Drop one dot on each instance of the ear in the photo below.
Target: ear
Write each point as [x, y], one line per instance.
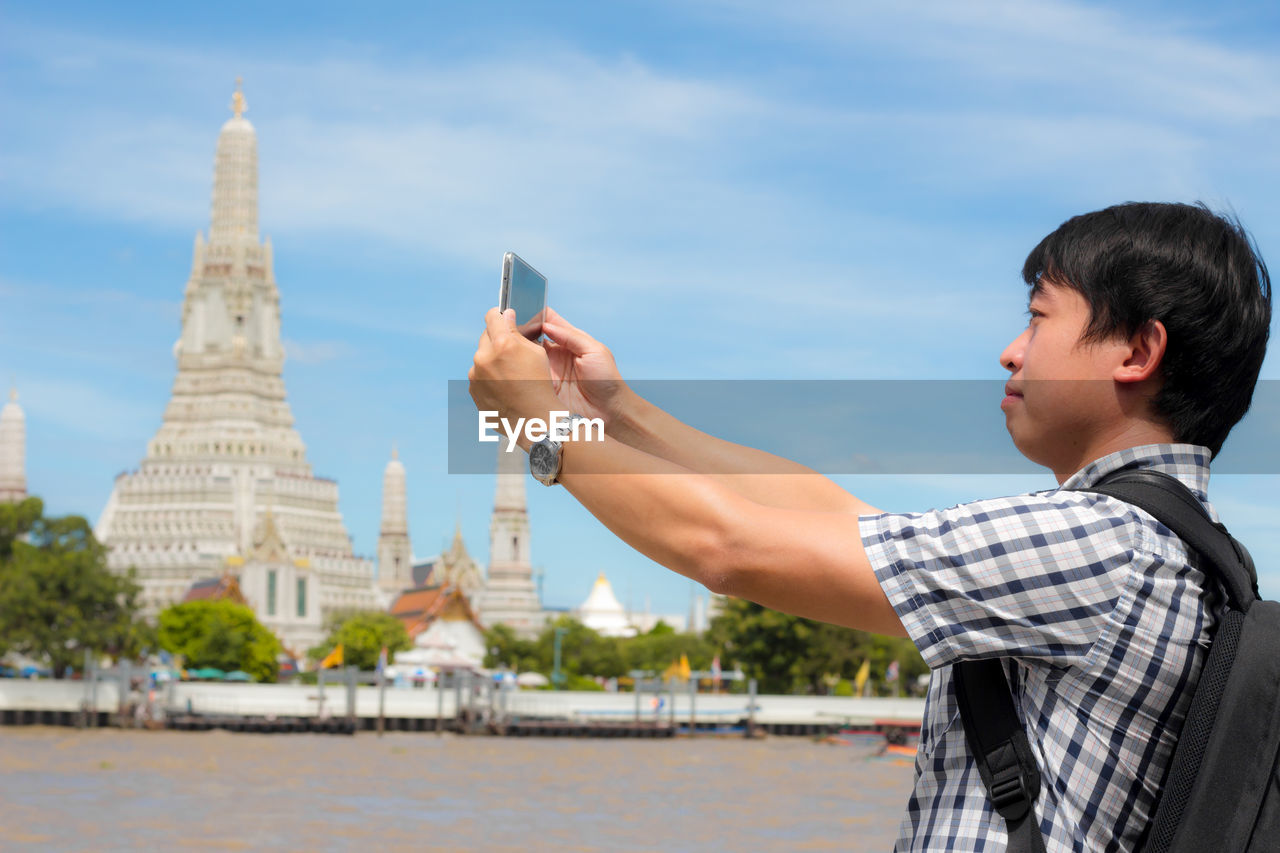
[1146, 351]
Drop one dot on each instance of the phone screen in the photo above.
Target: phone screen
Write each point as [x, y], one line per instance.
[525, 290]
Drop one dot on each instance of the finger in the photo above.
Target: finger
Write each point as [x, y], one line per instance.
[568, 335]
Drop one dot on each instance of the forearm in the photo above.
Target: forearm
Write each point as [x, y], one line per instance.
[805, 562]
[756, 475]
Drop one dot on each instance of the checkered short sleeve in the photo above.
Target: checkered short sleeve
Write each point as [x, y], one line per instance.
[1029, 576]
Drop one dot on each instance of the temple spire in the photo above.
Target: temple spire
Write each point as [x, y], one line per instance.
[235, 178]
[13, 450]
[395, 556]
[238, 104]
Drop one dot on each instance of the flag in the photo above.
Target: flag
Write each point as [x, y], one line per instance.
[685, 672]
[860, 680]
[715, 669]
[382, 660]
[334, 658]
[892, 673]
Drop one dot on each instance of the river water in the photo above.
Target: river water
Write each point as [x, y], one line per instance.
[62, 789]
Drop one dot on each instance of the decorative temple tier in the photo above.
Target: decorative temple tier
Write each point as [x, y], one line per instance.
[225, 484]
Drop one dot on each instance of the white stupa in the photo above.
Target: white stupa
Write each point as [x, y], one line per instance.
[13, 451]
[603, 613]
[227, 475]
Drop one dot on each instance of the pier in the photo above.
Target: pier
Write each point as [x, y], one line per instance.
[344, 703]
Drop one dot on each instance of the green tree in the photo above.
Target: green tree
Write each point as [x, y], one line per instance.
[363, 634]
[503, 647]
[582, 650]
[788, 654]
[662, 646]
[58, 599]
[220, 634]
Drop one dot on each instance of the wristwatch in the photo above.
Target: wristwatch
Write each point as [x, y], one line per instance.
[546, 456]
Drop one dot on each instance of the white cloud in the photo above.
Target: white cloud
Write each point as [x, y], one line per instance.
[315, 352]
[1085, 52]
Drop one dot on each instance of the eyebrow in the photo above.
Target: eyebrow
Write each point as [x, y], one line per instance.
[1037, 289]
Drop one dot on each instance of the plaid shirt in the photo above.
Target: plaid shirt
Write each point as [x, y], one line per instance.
[1099, 612]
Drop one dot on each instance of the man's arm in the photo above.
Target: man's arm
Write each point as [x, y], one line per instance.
[759, 476]
[587, 380]
[806, 562]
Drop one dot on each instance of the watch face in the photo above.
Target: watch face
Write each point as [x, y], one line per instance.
[542, 461]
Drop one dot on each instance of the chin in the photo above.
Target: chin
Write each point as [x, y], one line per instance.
[1029, 450]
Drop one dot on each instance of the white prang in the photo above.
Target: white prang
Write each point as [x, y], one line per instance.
[509, 596]
[395, 556]
[13, 451]
[227, 453]
[603, 613]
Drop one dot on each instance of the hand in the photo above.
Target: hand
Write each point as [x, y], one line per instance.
[509, 373]
[583, 372]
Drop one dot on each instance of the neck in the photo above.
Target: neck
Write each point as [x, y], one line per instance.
[1130, 433]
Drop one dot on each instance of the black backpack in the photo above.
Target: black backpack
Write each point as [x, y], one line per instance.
[1222, 792]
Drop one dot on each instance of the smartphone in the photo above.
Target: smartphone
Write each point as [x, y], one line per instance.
[524, 289]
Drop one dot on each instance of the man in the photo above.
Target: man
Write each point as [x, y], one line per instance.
[1148, 326]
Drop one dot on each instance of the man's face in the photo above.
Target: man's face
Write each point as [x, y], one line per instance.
[1061, 395]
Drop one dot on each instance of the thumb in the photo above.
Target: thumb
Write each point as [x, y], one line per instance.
[568, 335]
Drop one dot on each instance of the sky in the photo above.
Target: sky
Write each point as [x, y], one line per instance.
[716, 190]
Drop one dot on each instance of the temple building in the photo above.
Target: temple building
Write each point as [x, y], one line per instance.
[225, 484]
[453, 567]
[13, 451]
[395, 557]
[509, 596]
[603, 613]
[444, 628]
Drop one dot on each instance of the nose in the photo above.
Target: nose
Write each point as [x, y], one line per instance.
[1011, 358]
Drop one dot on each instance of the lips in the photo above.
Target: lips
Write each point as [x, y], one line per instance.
[1010, 390]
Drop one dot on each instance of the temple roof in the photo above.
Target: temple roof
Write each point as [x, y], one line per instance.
[418, 608]
[216, 589]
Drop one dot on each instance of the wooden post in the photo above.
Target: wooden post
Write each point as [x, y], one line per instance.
[351, 696]
[382, 701]
[693, 699]
[440, 701]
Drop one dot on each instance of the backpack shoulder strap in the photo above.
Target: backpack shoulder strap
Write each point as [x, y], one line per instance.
[1172, 504]
[1000, 747]
[995, 736]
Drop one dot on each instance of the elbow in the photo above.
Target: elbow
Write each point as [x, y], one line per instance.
[718, 537]
[717, 559]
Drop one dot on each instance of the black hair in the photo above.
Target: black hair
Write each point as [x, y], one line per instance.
[1196, 272]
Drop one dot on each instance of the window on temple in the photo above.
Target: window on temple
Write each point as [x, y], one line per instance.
[271, 592]
[302, 597]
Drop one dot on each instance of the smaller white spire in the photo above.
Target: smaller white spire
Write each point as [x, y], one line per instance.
[13, 450]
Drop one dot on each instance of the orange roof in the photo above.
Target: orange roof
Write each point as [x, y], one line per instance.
[417, 608]
[215, 589]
